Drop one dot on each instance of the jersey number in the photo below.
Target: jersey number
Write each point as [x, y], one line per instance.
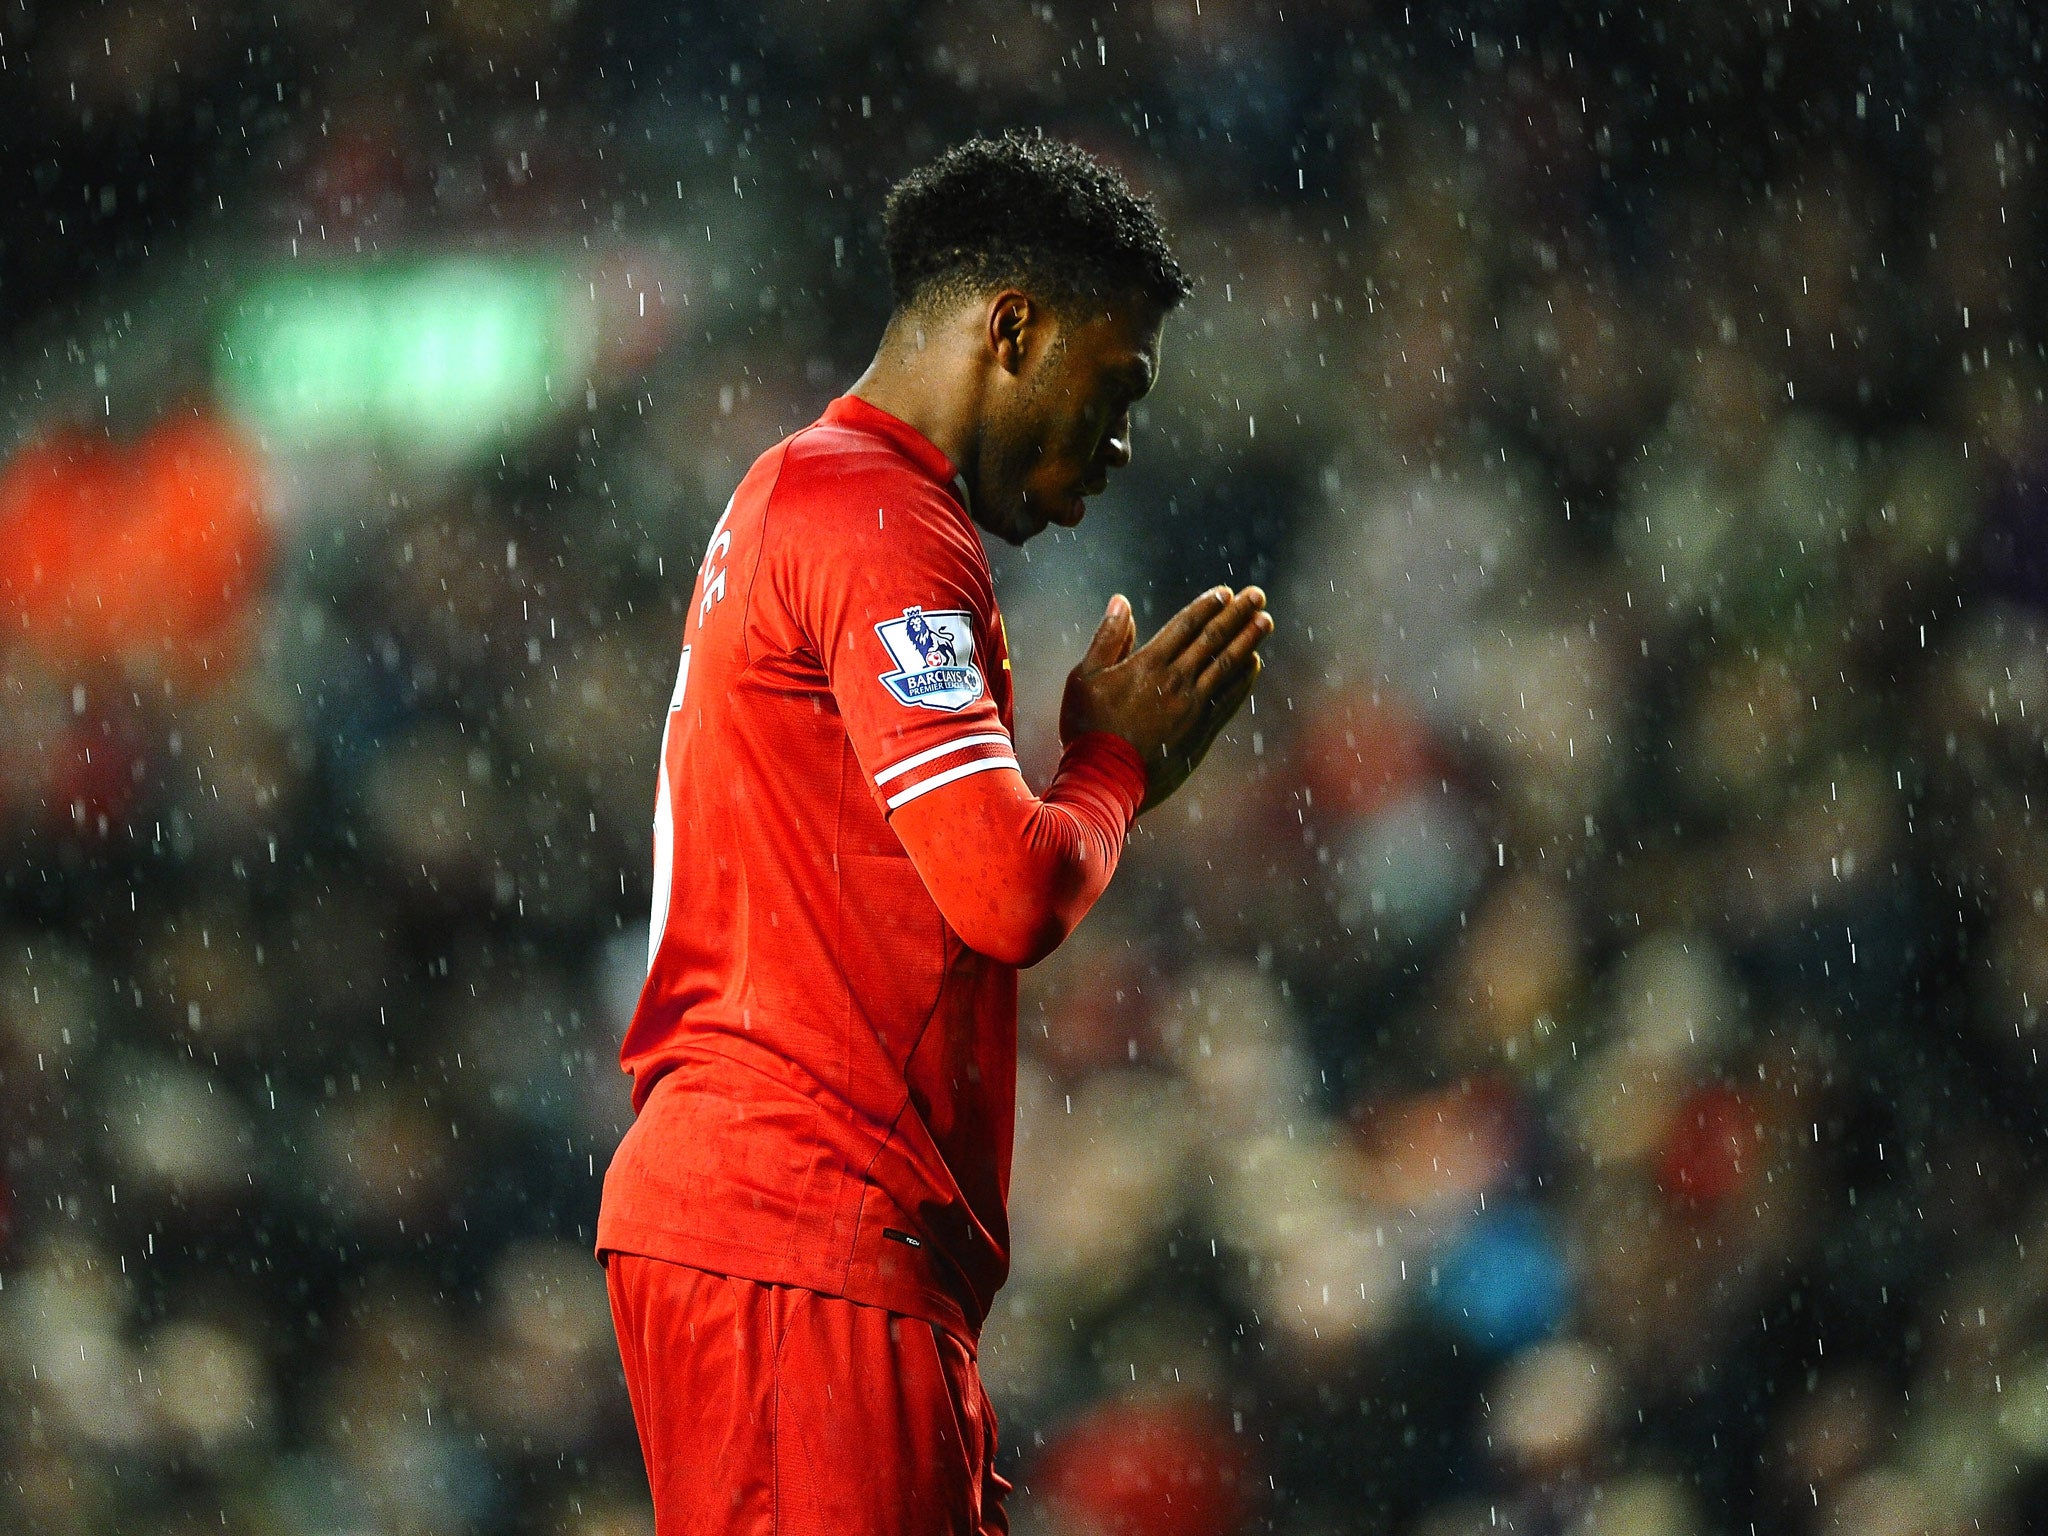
[711, 578]
[664, 819]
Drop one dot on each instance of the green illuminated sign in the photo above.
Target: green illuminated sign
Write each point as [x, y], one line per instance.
[435, 356]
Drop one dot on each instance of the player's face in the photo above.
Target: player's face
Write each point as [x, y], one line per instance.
[1071, 423]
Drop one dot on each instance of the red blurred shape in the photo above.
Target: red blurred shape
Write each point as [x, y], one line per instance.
[1440, 1148]
[93, 777]
[1365, 751]
[1702, 1162]
[360, 176]
[1148, 1469]
[1092, 1005]
[143, 556]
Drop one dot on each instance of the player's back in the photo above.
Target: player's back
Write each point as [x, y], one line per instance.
[824, 1073]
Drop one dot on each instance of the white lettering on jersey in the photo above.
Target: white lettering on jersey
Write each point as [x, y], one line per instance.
[712, 574]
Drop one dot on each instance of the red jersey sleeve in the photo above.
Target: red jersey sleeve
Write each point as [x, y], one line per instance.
[908, 633]
[1014, 873]
[903, 619]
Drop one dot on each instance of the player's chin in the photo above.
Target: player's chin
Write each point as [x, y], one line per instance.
[1041, 514]
[1068, 511]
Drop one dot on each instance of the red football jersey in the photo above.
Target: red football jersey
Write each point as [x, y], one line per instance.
[824, 1074]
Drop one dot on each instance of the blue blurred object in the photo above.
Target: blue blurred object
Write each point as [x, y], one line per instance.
[1503, 1283]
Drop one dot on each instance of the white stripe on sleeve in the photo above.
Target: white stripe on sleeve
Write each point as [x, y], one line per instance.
[957, 744]
[980, 765]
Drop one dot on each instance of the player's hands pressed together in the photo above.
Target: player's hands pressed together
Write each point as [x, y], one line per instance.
[1172, 696]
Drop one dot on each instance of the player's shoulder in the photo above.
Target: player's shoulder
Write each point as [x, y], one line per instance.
[838, 489]
[833, 462]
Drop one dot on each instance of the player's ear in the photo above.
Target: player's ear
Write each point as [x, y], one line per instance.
[1011, 316]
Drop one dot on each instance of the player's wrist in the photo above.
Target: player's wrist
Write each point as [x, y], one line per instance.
[1099, 740]
[1114, 758]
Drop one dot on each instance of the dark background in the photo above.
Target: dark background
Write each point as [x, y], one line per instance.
[1569, 1063]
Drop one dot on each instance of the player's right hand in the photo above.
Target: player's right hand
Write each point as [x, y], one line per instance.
[1171, 697]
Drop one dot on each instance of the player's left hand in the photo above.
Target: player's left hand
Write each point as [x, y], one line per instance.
[1171, 697]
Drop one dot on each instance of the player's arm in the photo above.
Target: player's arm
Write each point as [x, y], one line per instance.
[1013, 873]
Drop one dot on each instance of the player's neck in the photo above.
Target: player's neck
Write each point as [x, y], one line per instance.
[921, 381]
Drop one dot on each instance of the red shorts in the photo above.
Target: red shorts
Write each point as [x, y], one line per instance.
[766, 1410]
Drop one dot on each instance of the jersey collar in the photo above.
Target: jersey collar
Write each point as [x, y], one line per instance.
[852, 412]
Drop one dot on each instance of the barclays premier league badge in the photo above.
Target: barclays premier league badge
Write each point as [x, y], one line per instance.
[934, 656]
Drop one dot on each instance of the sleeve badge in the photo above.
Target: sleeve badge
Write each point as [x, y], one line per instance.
[934, 656]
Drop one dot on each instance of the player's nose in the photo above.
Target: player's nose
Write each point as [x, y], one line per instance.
[1116, 448]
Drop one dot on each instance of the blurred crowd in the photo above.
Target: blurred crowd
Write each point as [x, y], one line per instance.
[1567, 1064]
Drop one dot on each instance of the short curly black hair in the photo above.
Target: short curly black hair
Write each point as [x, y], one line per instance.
[1028, 210]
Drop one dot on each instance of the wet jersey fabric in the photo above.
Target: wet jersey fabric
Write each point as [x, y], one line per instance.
[823, 1073]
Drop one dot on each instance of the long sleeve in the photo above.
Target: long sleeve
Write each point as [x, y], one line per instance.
[1011, 872]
